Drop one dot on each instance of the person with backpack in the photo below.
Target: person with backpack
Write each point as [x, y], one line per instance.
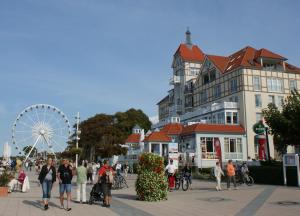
[106, 178]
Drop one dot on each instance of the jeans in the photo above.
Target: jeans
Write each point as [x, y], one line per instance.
[230, 179]
[64, 188]
[47, 187]
[188, 177]
[81, 189]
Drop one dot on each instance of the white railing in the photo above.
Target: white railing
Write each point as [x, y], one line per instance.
[224, 105]
[233, 156]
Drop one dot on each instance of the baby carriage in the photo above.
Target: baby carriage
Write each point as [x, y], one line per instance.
[96, 194]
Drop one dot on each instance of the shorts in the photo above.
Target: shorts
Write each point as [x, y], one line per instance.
[65, 188]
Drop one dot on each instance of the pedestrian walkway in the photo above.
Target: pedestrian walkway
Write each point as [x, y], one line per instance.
[203, 199]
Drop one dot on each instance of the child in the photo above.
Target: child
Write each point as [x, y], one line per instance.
[218, 173]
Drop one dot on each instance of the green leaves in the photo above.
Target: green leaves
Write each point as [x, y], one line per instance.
[151, 184]
[285, 123]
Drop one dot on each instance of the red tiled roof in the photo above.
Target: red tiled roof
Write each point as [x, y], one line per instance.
[133, 138]
[190, 54]
[247, 57]
[268, 54]
[291, 68]
[158, 136]
[219, 61]
[213, 128]
[172, 129]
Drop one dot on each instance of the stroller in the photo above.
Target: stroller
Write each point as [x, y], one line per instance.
[96, 194]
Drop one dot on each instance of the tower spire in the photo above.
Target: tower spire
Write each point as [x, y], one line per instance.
[188, 39]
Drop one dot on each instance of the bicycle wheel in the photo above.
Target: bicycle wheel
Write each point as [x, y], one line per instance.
[124, 183]
[177, 184]
[249, 181]
[185, 184]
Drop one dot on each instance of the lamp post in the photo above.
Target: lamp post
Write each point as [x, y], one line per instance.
[268, 145]
[78, 132]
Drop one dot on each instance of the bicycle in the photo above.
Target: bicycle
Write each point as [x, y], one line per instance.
[119, 182]
[244, 179]
[182, 181]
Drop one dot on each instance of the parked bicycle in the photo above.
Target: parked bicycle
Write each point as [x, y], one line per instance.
[182, 181]
[244, 179]
[119, 182]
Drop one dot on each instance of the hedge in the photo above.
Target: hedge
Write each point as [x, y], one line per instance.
[273, 175]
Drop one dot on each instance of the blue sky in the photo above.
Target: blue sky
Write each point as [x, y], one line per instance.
[98, 56]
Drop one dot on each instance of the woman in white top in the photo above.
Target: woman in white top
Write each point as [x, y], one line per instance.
[218, 173]
[171, 168]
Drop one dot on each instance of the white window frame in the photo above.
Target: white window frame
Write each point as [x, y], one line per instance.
[258, 99]
[275, 84]
[237, 154]
[256, 83]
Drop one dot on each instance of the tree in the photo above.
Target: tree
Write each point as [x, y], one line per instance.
[284, 123]
[27, 149]
[102, 134]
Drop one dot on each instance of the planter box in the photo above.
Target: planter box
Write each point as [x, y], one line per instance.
[3, 191]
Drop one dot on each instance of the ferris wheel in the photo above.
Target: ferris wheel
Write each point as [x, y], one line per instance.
[41, 128]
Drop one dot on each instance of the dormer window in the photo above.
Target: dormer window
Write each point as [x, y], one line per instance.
[208, 77]
[269, 66]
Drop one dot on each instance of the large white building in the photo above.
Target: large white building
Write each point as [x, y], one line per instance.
[225, 90]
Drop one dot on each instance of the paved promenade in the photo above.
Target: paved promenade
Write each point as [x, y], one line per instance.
[201, 200]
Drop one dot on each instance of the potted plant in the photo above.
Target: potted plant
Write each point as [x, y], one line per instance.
[4, 180]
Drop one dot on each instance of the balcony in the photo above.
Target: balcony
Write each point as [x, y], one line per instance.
[174, 80]
[188, 91]
[224, 105]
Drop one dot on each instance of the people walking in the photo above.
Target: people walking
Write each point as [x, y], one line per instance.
[126, 168]
[47, 177]
[81, 173]
[106, 179]
[171, 168]
[230, 175]
[218, 172]
[89, 173]
[118, 168]
[65, 174]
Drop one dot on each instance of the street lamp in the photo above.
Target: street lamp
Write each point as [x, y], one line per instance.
[268, 145]
[78, 132]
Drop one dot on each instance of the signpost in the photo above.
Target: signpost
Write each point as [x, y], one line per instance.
[291, 160]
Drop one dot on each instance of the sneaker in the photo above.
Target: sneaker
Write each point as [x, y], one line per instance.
[62, 207]
[107, 206]
[68, 209]
[46, 207]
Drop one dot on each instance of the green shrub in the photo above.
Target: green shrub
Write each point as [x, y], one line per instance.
[5, 179]
[151, 184]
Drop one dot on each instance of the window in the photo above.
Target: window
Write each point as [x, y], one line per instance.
[194, 71]
[271, 99]
[256, 83]
[205, 79]
[212, 75]
[207, 148]
[257, 100]
[217, 92]
[233, 85]
[234, 118]
[258, 117]
[279, 101]
[228, 117]
[220, 118]
[203, 96]
[293, 85]
[275, 84]
[231, 118]
[233, 148]
[155, 148]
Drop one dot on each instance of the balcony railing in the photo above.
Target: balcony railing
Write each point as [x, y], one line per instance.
[174, 80]
[224, 105]
[233, 155]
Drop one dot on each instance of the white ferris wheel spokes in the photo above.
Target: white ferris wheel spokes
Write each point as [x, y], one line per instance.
[42, 127]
